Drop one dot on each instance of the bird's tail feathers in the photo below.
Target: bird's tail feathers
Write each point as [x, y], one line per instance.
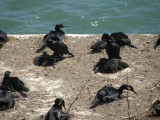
[41, 49]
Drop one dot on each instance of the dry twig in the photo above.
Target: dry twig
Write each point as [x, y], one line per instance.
[78, 95]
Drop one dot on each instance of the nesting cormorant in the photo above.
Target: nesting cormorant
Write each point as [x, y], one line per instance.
[122, 39]
[56, 113]
[6, 100]
[47, 60]
[109, 65]
[108, 94]
[13, 84]
[112, 48]
[158, 42]
[3, 38]
[98, 46]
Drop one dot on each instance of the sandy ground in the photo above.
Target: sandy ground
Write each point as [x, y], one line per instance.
[69, 75]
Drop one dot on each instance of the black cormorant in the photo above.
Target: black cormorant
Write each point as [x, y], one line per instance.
[13, 84]
[112, 48]
[108, 94]
[58, 47]
[158, 42]
[6, 100]
[109, 65]
[56, 113]
[98, 46]
[3, 38]
[122, 39]
[47, 60]
[58, 33]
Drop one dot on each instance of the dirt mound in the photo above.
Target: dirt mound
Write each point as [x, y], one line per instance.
[70, 74]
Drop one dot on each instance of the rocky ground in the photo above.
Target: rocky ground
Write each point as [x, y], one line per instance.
[70, 75]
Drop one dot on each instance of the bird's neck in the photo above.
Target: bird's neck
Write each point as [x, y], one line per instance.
[6, 76]
[120, 90]
[57, 106]
[57, 28]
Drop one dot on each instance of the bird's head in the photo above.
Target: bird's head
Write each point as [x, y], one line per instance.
[60, 102]
[106, 38]
[128, 87]
[58, 26]
[7, 73]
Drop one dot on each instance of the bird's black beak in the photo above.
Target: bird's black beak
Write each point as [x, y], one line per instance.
[63, 104]
[133, 46]
[135, 93]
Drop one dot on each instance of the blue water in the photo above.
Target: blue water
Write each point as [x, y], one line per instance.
[81, 16]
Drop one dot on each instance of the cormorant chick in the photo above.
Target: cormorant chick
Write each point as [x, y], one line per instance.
[6, 100]
[98, 46]
[109, 65]
[56, 113]
[122, 39]
[158, 42]
[3, 38]
[112, 48]
[108, 94]
[13, 84]
[47, 60]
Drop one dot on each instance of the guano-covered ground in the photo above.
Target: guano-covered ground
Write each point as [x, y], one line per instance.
[69, 76]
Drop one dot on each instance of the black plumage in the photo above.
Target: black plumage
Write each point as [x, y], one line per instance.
[155, 108]
[57, 33]
[3, 38]
[109, 65]
[47, 60]
[57, 46]
[158, 42]
[98, 46]
[108, 94]
[112, 48]
[13, 84]
[6, 100]
[122, 39]
[56, 113]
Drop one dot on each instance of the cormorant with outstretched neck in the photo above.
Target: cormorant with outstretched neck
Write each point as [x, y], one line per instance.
[13, 84]
[158, 42]
[112, 48]
[122, 39]
[108, 94]
[56, 113]
[3, 38]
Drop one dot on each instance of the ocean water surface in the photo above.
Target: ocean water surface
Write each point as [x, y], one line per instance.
[81, 16]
